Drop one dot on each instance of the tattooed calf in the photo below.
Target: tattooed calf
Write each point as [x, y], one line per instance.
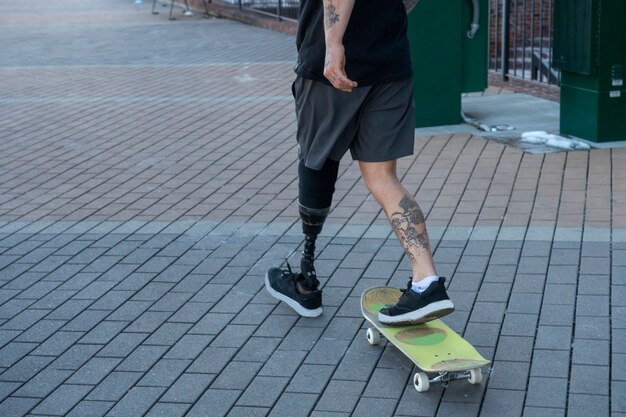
[406, 223]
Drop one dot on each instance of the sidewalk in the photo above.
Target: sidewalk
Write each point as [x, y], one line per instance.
[148, 180]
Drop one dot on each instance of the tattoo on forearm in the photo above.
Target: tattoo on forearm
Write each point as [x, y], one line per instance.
[330, 15]
[406, 224]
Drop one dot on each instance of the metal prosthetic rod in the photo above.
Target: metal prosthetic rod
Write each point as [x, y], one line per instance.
[312, 223]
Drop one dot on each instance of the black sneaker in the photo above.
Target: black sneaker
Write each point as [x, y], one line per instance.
[281, 284]
[413, 308]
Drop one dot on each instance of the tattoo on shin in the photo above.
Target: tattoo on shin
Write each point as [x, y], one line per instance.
[406, 224]
[330, 15]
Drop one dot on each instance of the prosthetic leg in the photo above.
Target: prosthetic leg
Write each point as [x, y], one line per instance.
[315, 196]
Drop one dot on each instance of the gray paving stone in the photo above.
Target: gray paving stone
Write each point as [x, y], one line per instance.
[482, 334]
[236, 375]
[136, 402]
[90, 408]
[503, 403]
[219, 401]
[618, 402]
[509, 375]
[213, 360]
[283, 363]
[543, 412]
[580, 405]
[164, 373]
[43, 383]
[26, 368]
[122, 345]
[148, 322]
[187, 388]
[85, 321]
[258, 349]
[142, 359]
[13, 352]
[69, 310]
[17, 406]
[356, 366]
[290, 404]
[327, 352]
[340, 396]
[263, 391]
[104, 332]
[389, 383]
[7, 388]
[485, 312]
[94, 371]
[114, 386]
[556, 315]
[61, 401]
[171, 302]
[558, 274]
[192, 312]
[75, 357]
[57, 343]
[592, 305]
[310, 379]
[375, 407]
[618, 367]
[549, 363]
[554, 337]
[587, 379]
[591, 352]
[233, 335]
[547, 392]
[129, 311]
[559, 294]
[594, 328]
[168, 410]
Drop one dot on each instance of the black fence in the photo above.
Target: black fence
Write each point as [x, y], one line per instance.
[520, 39]
[282, 9]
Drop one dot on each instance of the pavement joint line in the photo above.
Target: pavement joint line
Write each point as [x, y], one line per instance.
[143, 66]
[148, 100]
[331, 229]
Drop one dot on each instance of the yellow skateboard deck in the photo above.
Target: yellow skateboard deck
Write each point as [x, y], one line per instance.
[433, 346]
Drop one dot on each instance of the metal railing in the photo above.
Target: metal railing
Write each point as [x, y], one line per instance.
[520, 39]
[281, 9]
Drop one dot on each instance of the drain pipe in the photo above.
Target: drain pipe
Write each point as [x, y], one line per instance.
[475, 19]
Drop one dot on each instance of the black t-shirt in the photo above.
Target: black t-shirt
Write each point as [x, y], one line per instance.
[376, 43]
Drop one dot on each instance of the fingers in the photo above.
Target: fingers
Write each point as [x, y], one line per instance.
[340, 80]
[334, 69]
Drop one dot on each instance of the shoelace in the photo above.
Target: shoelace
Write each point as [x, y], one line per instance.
[287, 273]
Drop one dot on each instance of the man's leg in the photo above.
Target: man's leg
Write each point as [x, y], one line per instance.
[315, 195]
[301, 290]
[407, 221]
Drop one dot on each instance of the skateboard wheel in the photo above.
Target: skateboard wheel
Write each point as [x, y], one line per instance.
[421, 382]
[373, 336]
[476, 376]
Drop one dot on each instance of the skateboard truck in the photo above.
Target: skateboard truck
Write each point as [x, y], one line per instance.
[422, 382]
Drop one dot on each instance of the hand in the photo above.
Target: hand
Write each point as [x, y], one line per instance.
[334, 68]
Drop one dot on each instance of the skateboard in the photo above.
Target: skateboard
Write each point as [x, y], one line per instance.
[433, 346]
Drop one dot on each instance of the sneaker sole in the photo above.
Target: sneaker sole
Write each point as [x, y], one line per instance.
[431, 312]
[304, 312]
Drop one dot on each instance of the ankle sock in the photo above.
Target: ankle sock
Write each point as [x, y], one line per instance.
[420, 286]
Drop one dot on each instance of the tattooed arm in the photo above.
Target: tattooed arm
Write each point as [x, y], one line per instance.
[336, 16]
[409, 5]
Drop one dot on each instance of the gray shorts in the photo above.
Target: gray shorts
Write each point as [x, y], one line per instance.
[376, 123]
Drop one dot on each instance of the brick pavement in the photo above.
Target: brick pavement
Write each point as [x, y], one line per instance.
[147, 181]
